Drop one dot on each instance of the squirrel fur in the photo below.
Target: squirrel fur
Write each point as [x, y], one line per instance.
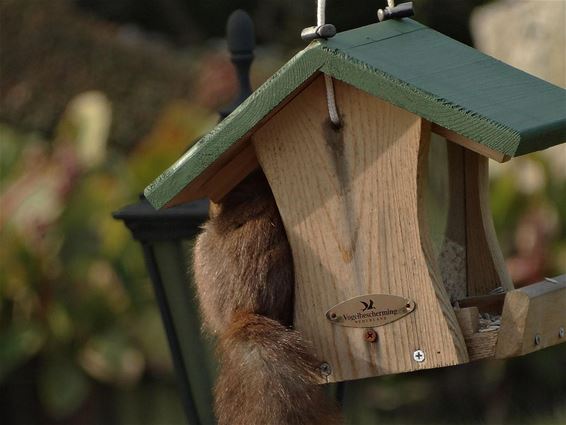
[243, 272]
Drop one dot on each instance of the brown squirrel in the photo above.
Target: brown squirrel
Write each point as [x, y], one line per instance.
[243, 272]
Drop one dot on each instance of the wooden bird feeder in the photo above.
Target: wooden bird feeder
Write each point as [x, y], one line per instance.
[371, 294]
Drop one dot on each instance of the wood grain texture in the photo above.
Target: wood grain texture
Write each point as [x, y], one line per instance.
[468, 319]
[485, 269]
[352, 205]
[538, 309]
[461, 90]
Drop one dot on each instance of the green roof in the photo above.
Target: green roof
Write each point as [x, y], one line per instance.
[413, 67]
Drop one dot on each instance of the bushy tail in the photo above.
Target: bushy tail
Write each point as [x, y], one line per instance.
[268, 377]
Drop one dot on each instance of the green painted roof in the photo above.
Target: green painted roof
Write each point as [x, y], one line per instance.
[413, 67]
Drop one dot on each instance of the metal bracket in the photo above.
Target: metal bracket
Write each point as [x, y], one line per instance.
[322, 31]
[404, 10]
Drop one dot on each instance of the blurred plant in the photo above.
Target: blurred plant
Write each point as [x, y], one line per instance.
[528, 197]
[74, 295]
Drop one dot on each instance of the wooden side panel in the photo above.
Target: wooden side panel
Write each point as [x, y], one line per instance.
[486, 268]
[471, 261]
[352, 204]
[538, 309]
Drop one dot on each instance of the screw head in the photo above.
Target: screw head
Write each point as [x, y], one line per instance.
[325, 369]
[561, 332]
[537, 339]
[370, 335]
[419, 356]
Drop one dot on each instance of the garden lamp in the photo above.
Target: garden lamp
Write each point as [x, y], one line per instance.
[166, 239]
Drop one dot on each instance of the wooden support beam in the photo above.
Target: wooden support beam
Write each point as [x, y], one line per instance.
[470, 144]
[486, 269]
[470, 258]
[492, 304]
[468, 319]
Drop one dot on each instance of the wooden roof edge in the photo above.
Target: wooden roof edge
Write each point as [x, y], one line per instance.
[546, 137]
[450, 116]
[234, 127]
[481, 134]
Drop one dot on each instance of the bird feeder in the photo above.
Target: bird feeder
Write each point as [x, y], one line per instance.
[371, 294]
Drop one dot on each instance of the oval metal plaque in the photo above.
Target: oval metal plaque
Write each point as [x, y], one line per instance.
[370, 311]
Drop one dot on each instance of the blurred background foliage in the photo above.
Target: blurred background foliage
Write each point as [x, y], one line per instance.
[97, 98]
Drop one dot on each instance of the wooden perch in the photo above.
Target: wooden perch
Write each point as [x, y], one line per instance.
[532, 318]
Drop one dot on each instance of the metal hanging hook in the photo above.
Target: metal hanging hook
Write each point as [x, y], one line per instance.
[322, 29]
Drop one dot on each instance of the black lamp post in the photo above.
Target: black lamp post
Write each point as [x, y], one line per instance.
[166, 236]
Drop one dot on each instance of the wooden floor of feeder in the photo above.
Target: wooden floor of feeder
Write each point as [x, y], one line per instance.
[527, 319]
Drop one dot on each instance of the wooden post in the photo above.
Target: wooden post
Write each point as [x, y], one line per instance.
[486, 268]
[534, 317]
[352, 205]
[470, 260]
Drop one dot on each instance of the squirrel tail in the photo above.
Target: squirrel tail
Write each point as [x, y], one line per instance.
[268, 376]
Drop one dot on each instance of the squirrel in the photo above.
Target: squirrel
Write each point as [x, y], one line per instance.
[243, 271]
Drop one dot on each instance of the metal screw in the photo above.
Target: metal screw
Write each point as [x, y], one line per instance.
[561, 333]
[325, 369]
[537, 339]
[333, 316]
[370, 335]
[419, 356]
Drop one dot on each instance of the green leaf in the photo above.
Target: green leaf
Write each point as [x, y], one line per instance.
[19, 344]
[63, 387]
